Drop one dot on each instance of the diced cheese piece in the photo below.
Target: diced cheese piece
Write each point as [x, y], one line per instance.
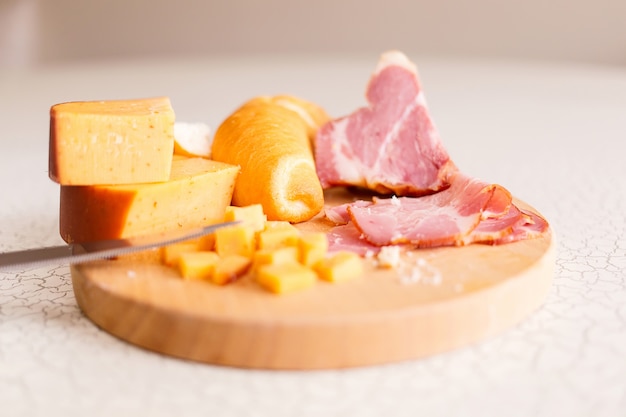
[312, 248]
[230, 268]
[111, 142]
[235, 240]
[278, 234]
[251, 216]
[197, 194]
[207, 242]
[286, 277]
[277, 224]
[288, 254]
[340, 266]
[170, 254]
[198, 265]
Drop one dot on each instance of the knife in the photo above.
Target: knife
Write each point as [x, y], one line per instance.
[98, 250]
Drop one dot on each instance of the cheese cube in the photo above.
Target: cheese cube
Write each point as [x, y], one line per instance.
[196, 195]
[198, 265]
[235, 240]
[288, 254]
[277, 234]
[170, 254]
[340, 266]
[312, 248]
[207, 242]
[230, 268]
[111, 142]
[251, 216]
[285, 278]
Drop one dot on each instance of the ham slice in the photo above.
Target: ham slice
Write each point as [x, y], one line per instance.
[532, 226]
[442, 219]
[391, 146]
[469, 211]
[346, 237]
[492, 229]
[339, 214]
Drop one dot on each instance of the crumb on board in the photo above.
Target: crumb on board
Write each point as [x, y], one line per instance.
[410, 268]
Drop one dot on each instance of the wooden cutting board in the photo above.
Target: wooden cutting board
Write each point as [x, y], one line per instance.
[441, 299]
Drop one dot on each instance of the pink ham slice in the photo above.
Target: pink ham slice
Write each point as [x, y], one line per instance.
[492, 229]
[346, 237]
[392, 146]
[442, 219]
[339, 214]
[532, 226]
[513, 226]
[469, 211]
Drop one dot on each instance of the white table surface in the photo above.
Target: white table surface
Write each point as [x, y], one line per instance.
[554, 134]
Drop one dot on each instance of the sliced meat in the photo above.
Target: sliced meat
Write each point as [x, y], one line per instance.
[492, 229]
[339, 214]
[347, 237]
[441, 219]
[391, 146]
[469, 211]
[532, 227]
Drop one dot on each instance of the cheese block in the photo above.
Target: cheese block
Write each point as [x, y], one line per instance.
[197, 194]
[111, 142]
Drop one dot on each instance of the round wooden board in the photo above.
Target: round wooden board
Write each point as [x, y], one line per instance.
[455, 297]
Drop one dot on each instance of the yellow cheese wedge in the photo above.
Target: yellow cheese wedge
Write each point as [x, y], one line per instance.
[197, 194]
[111, 142]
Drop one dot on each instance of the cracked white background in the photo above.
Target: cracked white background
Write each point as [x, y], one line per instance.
[553, 134]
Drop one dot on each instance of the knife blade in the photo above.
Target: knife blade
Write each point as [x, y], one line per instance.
[98, 250]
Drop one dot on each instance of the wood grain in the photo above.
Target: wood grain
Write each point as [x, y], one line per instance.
[461, 295]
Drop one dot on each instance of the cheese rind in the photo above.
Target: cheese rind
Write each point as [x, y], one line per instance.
[196, 195]
[111, 142]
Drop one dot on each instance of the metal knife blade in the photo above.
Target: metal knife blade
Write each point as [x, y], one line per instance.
[97, 250]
